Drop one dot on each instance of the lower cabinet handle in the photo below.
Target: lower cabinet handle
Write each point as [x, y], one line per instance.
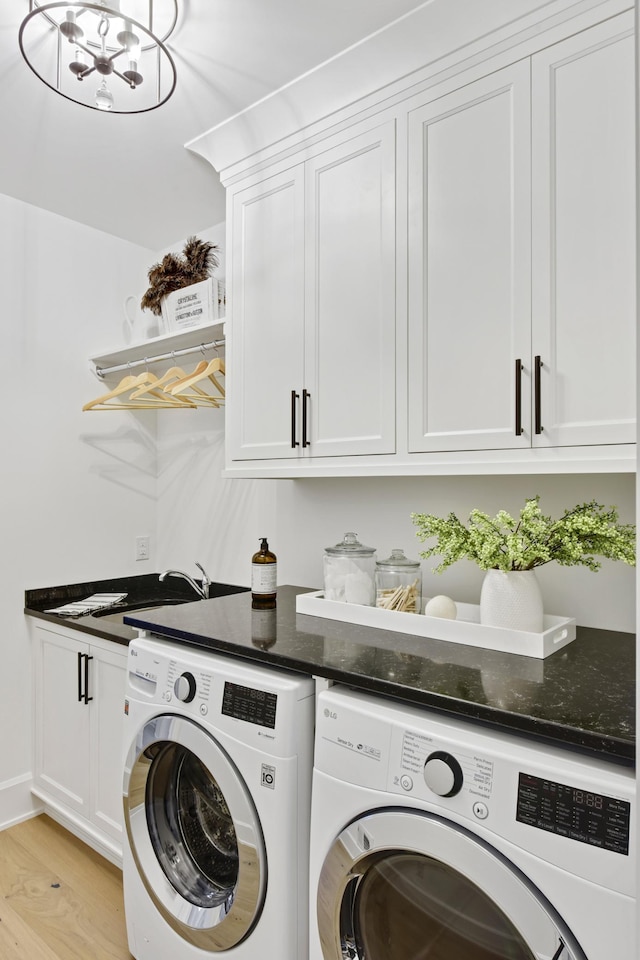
[305, 397]
[518, 397]
[80, 656]
[538, 400]
[87, 698]
[294, 397]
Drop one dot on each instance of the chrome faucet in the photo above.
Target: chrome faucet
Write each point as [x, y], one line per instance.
[202, 591]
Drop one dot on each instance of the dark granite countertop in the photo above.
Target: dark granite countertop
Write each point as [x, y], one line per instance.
[582, 697]
[141, 590]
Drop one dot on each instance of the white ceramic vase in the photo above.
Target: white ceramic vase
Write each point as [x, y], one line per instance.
[512, 599]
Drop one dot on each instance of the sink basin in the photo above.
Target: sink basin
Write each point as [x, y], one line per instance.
[116, 614]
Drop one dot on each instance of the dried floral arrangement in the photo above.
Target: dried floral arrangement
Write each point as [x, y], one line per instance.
[197, 262]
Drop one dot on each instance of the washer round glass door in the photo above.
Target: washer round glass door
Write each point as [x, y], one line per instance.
[399, 884]
[194, 833]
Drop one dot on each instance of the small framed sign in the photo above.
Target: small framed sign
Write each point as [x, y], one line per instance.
[191, 306]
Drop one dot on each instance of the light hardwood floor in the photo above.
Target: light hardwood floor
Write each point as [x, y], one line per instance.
[59, 900]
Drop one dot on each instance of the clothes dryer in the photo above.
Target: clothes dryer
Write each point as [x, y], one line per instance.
[434, 838]
[217, 773]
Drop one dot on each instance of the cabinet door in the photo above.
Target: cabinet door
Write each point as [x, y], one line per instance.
[62, 720]
[350, 302]
[107, 686]
[584, 236]
[469, 266]
[265, 336]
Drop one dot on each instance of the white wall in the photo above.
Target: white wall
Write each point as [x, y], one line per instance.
[76, 486]
[201, 515]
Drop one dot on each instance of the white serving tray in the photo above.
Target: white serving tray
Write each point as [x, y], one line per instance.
[467, 629]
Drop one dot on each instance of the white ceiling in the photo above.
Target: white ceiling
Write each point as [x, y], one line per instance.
[130, 175]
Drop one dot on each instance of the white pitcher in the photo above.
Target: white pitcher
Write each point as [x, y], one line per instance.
[140, 324]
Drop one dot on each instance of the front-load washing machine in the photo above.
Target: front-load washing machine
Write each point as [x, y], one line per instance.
[437, 839]
[217, 775]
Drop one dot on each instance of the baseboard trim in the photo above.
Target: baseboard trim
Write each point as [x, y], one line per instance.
[17, 803]
[80, 828]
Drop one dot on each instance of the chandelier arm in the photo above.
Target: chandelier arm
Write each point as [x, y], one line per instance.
[118, 53]
[85, 73]
[117, 74]
[81, 46]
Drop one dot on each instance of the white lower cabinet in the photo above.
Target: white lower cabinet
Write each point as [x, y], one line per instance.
[79, 688]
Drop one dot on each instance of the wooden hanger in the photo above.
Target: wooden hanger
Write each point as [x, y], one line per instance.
[196, 397]
[153, 400]
[173, 373]
[203, 371]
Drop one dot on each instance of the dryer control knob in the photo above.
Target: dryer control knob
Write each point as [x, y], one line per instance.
[443, 774]
[185, 687]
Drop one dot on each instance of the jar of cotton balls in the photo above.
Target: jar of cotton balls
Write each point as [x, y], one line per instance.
[349, 572]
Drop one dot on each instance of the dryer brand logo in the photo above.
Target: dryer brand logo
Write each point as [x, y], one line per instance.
[330, 714]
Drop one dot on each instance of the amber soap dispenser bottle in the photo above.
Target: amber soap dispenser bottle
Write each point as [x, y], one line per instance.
[264, 575]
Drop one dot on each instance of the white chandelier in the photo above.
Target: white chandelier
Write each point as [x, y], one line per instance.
[106, 54]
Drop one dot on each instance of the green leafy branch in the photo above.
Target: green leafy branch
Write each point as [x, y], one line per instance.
[581, 534]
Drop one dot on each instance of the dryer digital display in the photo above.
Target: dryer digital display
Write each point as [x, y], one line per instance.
[575, 813]
[250, 704]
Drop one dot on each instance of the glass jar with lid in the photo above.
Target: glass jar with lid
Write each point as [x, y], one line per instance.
[399, 583]
[349, 572]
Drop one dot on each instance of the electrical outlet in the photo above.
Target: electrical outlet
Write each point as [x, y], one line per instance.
[142, 548]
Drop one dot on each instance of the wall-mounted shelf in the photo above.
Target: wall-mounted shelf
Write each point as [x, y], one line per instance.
[164, 348]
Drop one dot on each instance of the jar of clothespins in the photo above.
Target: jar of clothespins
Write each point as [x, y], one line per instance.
[399, 583]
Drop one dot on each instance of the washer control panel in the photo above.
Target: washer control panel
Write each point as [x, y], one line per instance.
[579, 814]
[250, 704]
[444, 773]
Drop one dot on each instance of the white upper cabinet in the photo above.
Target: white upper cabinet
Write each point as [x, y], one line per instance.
[522, 255]
[312, 340]
[439, 276]
[350, 296]
[265, 341]
[584, 259]
[469, 265]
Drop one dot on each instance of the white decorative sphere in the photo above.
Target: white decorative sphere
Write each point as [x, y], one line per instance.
[441, 606]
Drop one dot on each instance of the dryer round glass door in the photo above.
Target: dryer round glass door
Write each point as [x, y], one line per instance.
[399, 883]
[194, 833]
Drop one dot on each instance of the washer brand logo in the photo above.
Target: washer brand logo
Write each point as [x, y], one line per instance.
[330, 714]
[268, 778]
